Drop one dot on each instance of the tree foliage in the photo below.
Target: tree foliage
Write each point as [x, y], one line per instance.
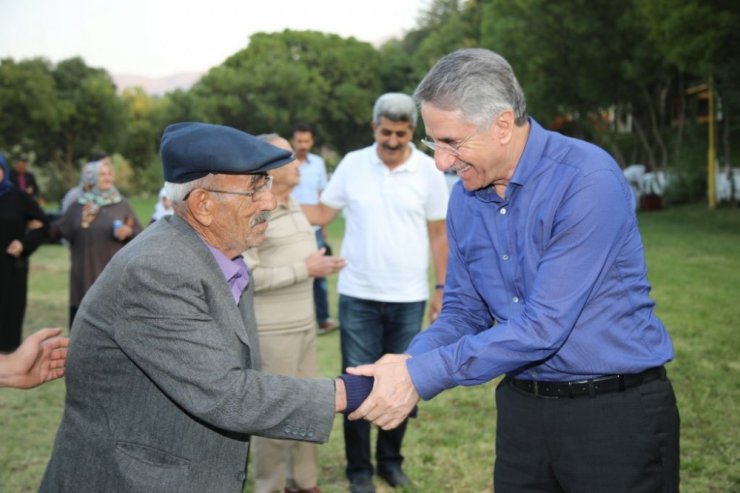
[282, 78]
[619, 73]
[59, 113]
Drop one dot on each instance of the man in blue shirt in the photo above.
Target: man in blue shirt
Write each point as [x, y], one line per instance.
[546, 284]
[307, 192]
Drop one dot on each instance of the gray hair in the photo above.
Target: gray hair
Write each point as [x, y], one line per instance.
[177, 192]
[478, 83]
[269, 138]
[397, 107]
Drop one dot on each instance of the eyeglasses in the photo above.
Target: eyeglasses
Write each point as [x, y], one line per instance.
[265, 185]
[453, 149]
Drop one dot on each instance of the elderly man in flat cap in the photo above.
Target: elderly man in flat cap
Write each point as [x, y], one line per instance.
[163, 389]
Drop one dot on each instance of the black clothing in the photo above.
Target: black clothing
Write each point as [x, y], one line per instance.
[16, 209]
[32, 188]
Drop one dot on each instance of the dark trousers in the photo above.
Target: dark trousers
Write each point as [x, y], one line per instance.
[357, 448]
[13, 290]
[369, 329]
[614, 442]
[320, 287]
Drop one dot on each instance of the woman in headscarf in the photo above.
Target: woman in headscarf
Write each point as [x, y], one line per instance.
[22, 229]
[96, 226]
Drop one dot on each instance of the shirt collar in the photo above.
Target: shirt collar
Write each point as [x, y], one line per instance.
[526, 168]
[534, 148]
[411, 164]
[234, 270]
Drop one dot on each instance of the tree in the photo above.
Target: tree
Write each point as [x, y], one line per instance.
[28, 104]
[60, 113]
[91, 115]
[700, 39]
[281, 78]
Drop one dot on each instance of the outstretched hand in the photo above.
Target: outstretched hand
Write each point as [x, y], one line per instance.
[393, 396]
[318, 264]
[40, 358]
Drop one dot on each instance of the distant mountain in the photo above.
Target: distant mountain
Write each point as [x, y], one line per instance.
[157, 86]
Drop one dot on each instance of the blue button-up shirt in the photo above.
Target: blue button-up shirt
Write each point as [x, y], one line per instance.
[549, 283]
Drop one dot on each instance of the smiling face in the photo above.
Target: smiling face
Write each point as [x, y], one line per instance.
[482, 157]
[392, 139]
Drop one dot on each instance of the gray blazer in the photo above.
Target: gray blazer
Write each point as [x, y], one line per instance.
[162, 387]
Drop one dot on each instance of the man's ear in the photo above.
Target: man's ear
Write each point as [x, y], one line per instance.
[503, 127]
[201, 206]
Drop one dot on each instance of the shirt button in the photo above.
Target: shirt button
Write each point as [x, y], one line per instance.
[502, 211]
[515, 299]
[241, 476]
[505, 256]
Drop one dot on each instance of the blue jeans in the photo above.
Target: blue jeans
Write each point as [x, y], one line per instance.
[370, 329]
[320, 288]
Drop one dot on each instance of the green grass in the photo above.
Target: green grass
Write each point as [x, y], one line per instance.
[694, 265]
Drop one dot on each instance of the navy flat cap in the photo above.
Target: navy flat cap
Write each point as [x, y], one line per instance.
[192, 150]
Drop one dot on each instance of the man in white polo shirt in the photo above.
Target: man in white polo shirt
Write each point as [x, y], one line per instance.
[395, 202]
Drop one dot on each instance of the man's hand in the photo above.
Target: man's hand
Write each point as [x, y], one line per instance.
[320, 265]
[394, 395]
[39, 359]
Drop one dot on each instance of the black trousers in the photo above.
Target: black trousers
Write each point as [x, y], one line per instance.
[357, 448]
[13, 290]
[625, 442]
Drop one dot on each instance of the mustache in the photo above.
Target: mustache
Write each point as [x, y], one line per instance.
[392, 148]
[260, 218]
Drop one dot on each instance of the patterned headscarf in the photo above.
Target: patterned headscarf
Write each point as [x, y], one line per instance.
[5, 185]
[91, 193]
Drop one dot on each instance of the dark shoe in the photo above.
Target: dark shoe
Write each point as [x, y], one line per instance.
[315, 489]
[394, 477]
[363, 484]
[327, 326]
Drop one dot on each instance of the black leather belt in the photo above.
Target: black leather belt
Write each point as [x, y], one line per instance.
[600, 385]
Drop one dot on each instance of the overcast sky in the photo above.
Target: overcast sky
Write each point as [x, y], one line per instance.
[155, 38]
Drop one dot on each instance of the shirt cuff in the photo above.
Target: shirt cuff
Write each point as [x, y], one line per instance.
[429, 374]
[300, 271]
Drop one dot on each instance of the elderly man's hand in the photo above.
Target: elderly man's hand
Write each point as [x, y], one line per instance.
[394, 395]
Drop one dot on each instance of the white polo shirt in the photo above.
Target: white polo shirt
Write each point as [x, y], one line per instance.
[386, 241]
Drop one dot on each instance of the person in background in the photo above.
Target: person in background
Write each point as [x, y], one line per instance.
[25, 180]
[312, 182]
[163, 381]
[23, 227]
[546, 284]
[39, 359]
[74, 193]
[395, 203]
[282, 268]
[163, 206]
[96, 226]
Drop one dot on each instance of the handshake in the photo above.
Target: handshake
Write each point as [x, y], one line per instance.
[381, 393]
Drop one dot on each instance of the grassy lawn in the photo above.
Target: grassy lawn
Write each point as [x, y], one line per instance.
[694, 261]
